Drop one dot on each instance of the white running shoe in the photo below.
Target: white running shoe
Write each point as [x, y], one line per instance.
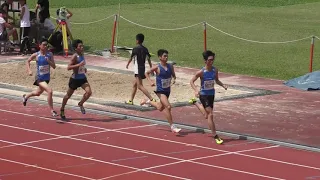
[175, 129]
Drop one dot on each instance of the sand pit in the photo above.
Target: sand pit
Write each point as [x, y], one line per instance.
[106, 86]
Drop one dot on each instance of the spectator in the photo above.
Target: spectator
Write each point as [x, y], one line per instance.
[25, 25]
[4, 34]
[10, 30]
[46, 27]
[43, 5]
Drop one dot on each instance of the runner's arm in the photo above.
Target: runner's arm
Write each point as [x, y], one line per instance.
[173, 74]
[149, 59]
[130, 59]
[219, 82]
[31, 58]
[51, 61]
[73, 63]
[193, 79]
[151, 71]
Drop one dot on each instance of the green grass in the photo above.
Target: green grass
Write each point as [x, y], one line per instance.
[260, 20]
[97, 3]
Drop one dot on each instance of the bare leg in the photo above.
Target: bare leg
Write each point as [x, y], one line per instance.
[165, 106]
[66, 98]
[86, 87]
[64, 102]
[134, 91]
[201, 109]
[212, 125]
[157, 105]
[210, 120]
[36, 92]
[142, 88]
[43, 85]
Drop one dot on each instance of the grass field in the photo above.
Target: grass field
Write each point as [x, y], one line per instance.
[259, 20]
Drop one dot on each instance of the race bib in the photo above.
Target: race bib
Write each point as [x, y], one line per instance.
[208, 85]
[45, 69]
[82, 70]
[166, 83]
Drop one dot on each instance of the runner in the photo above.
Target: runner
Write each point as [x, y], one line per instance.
[207, 75]
[78, 78]
[44, 60]
[139, 54]
[164, 74]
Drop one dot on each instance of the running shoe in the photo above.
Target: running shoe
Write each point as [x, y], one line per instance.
[129, 102]
[62, 115]
[192, 101]
[175, 129]
[24, 100]
[218, 139]
[83, 111]
[54, 114]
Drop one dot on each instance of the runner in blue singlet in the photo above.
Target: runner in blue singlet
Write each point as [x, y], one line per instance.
[44, 61]
[77, 79]
[164, 74]
[208, 75]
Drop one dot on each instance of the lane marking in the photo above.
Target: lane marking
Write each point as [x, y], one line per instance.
[92, 159]
[132, 158]
[60, 137]
[158, 155]
[42, 168]
[179, 152]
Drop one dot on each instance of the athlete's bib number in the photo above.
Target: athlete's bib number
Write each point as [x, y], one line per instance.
[45, 69]
[82, 70]
[209, 84]
[166, 83]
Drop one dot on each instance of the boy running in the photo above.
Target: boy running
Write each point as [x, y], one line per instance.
[77, 79]
[44, 60]
[207, 75]
[164, 74]
[139, 53]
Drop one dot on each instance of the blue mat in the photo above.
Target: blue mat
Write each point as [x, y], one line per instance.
[308, 82]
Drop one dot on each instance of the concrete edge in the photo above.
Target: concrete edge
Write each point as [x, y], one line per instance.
[184, 126]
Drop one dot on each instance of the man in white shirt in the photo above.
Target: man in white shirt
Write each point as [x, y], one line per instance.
[25, 25]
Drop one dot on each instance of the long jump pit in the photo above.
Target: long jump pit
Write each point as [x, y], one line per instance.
[110, 87]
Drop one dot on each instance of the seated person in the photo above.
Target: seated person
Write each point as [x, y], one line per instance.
[46, 26]
[11, 31]
[4, 34]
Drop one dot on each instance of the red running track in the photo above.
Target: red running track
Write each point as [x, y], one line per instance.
[96, 147]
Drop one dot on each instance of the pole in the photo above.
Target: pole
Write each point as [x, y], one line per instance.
[117, 28]
[205, 35]
[311, 54]
[114, 32]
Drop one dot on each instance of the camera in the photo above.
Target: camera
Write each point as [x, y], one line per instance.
[63, 13]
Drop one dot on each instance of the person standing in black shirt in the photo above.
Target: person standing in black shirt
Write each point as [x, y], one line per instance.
[139, 55]
[43, 5]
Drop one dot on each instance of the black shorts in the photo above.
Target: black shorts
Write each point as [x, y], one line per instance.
[36, 82]
[167, 93]
[75, 83]
[207, 100]
[141, 73]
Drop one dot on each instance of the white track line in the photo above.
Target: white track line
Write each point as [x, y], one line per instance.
[117, 175]
[91, 159]
[30, 142]
[165, 140]
[191, 160]
[59, 137]
[153, 154]
[51, 170]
